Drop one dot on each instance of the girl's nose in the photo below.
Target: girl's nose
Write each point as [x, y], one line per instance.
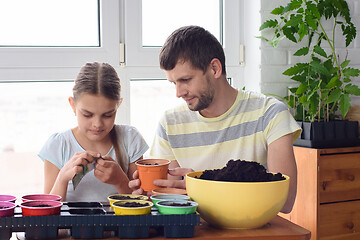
[97, 122]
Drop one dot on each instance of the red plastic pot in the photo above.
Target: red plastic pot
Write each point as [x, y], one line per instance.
[40, 207]
[7, 209]
[41, 196]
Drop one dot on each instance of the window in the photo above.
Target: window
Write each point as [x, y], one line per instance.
[46, 62]
[169, 15]
[30, 113]
[42, 23]
[221, 17]
[36, 77]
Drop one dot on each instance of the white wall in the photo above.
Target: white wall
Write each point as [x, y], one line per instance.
[276, 60]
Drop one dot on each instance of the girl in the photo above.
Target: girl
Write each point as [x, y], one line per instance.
[96, 99]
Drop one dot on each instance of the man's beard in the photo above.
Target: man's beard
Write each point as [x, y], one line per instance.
[205, 99]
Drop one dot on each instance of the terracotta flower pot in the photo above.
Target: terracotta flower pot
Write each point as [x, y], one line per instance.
[150, 170]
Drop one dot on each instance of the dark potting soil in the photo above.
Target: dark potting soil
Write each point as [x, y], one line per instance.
[150, 164]
[125, 197]
[42, 205]
[132, 204]
[241, 171]
[178, 204]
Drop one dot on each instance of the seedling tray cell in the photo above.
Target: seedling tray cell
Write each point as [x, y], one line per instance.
[91, 219]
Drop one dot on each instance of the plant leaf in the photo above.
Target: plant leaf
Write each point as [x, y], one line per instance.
[333, 82]
[277, 11]
[344, 104]
[296, 69]
[263, 38]
[320, 51]
[352, 89]
[347, 80]
[302, 51]
[344, 64]
[313, 9]
[294, 4]
[319, 68]
[294, 20]
[311, 22]
[301, 89]
[289, 34]
[351, 72]
[303, 99]
[334, 96]
[268, 24]
[275, 42]
[299, 78]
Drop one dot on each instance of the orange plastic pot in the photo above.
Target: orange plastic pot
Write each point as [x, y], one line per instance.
[150, 170]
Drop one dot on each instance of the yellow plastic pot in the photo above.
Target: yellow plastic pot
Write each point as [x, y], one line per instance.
[120, 209]
[237, 205]
[114, 197]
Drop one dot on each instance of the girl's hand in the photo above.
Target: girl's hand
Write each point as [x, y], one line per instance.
[134, 185]
[76, 164]
[109, 171]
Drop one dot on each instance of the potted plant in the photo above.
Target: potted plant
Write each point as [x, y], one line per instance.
[321, 99]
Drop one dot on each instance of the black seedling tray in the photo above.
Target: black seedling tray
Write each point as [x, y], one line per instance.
[92, 219]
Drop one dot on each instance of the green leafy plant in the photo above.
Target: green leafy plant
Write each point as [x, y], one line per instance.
[324, 81]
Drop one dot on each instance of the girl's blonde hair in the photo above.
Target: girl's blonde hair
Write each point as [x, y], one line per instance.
[102, 79]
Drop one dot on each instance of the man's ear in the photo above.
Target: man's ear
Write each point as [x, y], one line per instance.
[72, 104]
[216, 67]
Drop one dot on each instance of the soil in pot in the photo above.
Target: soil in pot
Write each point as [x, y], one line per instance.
[132, 204]
[115, 197]
[178, 204]
[241, 171]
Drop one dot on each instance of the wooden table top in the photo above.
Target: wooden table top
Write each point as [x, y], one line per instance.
[277, 229]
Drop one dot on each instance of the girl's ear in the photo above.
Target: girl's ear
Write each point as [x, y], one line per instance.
[216, 67]
[72, 104]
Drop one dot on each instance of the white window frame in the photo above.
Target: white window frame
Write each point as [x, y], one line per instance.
[136, 55]
[60, 63]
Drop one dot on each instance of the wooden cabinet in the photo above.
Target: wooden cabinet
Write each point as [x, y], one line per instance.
[328, 192]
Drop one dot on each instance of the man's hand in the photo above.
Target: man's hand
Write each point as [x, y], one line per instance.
[177, 181]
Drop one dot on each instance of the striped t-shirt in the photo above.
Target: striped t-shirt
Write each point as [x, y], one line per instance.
[243, 132]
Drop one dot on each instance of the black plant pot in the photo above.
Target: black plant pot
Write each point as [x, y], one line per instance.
[331, 134]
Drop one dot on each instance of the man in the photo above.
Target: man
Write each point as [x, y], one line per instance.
[218, 122]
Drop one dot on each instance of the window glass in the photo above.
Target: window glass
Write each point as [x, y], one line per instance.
[161, 17]
[30, 113]
[148, 101]
[49, 23]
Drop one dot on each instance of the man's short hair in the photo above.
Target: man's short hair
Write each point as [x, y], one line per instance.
[194, 44]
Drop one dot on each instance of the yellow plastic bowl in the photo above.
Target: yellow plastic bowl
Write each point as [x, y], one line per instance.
[237, 205]
[115, 197]
[122, 210]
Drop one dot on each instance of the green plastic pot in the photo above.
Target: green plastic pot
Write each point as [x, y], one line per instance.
[167, 207]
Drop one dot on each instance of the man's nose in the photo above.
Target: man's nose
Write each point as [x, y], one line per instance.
[180, 90]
